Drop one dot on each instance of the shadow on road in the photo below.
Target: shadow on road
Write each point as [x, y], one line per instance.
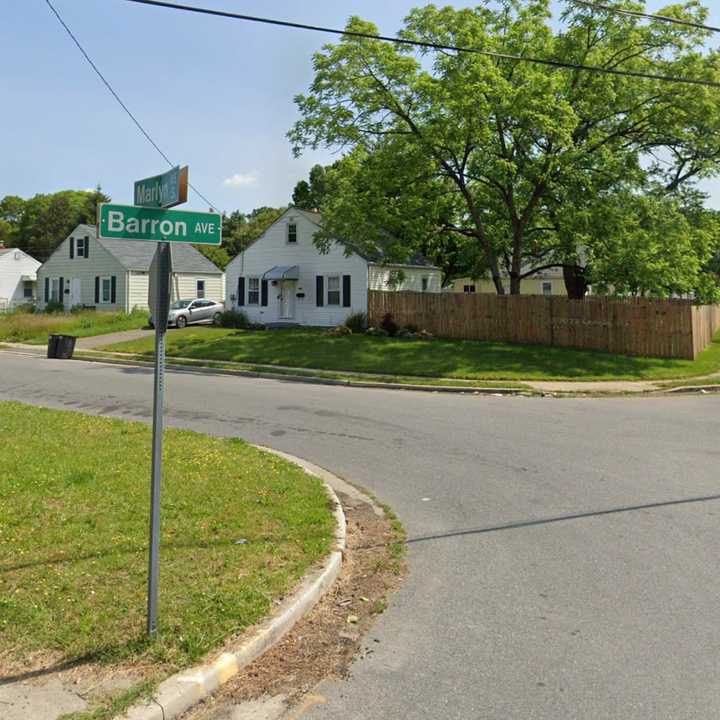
[560, 518]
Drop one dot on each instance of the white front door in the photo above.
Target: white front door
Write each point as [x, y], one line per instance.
[287, 300]
[75, 293]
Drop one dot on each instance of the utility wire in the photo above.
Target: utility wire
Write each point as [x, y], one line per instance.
[118, 98]
[647, 16]
[424, 44]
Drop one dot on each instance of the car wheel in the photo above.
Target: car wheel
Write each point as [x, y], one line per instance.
[216, 318]
[181, 322]
[151, 324]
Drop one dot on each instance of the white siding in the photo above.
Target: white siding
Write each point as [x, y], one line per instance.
[380, 277]
[13, 265]
[99, 263]
[272, 249]
[184, 285]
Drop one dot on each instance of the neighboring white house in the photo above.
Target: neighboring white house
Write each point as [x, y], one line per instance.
[113, 274]
[283, 277]
[18, 276]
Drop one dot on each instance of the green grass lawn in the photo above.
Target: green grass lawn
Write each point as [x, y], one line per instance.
[34, 328]
[469, 359]
[74, 506]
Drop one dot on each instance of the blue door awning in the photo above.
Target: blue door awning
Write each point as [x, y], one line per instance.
[282, 272]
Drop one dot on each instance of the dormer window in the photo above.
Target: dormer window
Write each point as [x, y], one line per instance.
[292, 233]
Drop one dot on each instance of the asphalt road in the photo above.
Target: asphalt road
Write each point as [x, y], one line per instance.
[509, 611]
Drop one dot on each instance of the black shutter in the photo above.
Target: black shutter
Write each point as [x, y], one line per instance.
[47, 289]
[113, 288]
[61, 290]
[97, 290]
[241, 291]
[319, 290]
[87, 245]
[263, 293]
[346, 291]
[72, 248]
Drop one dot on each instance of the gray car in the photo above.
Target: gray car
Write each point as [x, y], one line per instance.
[189, 312]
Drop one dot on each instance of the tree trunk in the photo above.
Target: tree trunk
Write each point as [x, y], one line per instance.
[576, 282]
[514, 284]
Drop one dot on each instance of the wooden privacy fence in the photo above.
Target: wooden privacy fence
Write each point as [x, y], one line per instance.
[627, 326]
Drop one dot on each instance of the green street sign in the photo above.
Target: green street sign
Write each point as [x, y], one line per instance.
[166, 190]
[129, 222]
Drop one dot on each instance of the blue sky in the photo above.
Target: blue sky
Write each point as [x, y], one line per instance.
[215, 94]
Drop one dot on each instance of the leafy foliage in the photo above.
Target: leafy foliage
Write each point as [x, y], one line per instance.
[501, 167]
[234, 319]
[38, 225]
[357, 322]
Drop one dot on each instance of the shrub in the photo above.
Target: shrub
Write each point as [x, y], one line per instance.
[29, 308]
[76, 309]
[411, 328]
[389, 325]
[339, 331]
[376, 332]
[256, 326]
[234, 319]
[54, 306]
[357, 322]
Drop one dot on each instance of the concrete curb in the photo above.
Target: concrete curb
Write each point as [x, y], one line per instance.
[181, 691]
[313, 380]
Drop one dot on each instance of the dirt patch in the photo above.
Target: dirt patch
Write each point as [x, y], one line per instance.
[323, 645]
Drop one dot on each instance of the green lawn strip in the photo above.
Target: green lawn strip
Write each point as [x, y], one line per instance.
[460, 359]
[322, 374]
[34, 328]
[74, 495]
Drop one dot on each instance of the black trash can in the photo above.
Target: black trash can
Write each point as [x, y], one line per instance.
[61, 346]
[53, 346]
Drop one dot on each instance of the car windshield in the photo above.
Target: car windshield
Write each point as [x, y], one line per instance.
[180, 304]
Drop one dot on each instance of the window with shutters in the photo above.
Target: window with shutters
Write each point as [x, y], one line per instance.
[55, 289]
[292, 232]
[105, 290]
[253, 291]
[333, 290]
[468, 288]
[80, 248]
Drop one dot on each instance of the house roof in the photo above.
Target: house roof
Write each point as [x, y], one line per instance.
[3, 251]
[415, 260]
[137, 255]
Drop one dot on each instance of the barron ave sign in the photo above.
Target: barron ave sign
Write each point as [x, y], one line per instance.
[129, 222]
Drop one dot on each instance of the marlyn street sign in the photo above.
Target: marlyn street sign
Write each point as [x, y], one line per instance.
[129, 222]
[166, 190]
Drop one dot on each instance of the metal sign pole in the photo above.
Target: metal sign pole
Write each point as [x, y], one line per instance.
[162, 298]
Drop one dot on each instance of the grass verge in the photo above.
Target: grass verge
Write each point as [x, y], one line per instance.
[388, 357]
[73, 538]
[321, 374]
[34, 328]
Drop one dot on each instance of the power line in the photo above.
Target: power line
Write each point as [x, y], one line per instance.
[424, 44]
[647, 16]
[118, 98]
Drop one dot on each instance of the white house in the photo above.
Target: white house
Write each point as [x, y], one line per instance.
[18, 276]
[113, 274]
[283, 277]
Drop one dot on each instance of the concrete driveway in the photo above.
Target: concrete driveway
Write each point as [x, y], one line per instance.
[563, 552]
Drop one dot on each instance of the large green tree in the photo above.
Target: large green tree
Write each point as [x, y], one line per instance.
[504, 159]
[38, 225]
